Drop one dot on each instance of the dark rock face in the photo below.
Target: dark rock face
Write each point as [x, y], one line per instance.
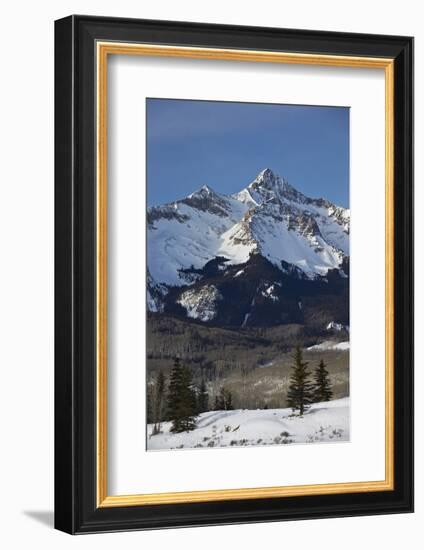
[164, 212]
[258, 294]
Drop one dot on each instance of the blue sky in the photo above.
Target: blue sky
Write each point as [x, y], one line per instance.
[225, 144]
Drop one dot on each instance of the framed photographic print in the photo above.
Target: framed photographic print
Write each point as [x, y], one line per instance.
[233, 274]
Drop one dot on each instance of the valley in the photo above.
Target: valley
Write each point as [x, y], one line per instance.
[253, 364]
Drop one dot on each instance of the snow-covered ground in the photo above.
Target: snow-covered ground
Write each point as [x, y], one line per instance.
[324, 422]
[329, 345]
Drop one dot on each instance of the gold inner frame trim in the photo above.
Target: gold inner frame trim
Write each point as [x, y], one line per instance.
[104, 49]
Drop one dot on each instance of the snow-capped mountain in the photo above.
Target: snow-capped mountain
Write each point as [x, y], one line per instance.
[208, 234]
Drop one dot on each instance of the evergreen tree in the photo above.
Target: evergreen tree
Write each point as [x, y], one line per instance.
[181, 399]
[158, 402]
[228, 400]
[300, 392]
[322, 386]
[202, 398]
[174, 390]
[150, 402]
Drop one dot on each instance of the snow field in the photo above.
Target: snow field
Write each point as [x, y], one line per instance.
[329, 345]
[322, 423]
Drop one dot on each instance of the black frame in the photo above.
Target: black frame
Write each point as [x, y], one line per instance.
[75, 275]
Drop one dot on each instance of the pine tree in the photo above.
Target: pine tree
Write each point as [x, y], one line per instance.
[202, 398]
[228, 400]
[158, 402]
[189, 405]
[322, 386]
[174, 390]
[300, 393]
[150, 402]
[181, 399]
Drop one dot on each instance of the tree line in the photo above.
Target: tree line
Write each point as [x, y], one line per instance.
[181, 401]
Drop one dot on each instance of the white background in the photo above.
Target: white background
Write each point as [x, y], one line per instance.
[26, 286]
[363, 458]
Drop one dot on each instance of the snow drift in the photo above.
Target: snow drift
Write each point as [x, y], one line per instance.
[323, 422]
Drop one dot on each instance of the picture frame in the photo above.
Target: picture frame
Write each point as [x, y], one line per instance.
[83, 45]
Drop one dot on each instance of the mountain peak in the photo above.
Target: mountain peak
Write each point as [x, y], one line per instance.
[273, 185]
[206, 189]
[270, 185]
[204, 192]
[269, 217]
[266, 172]
[266, 179]
[206, 199]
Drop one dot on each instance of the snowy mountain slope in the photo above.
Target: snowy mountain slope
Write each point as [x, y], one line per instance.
[332, 220]
[202, 304]
[155, 294]
[269, 217]
[188, 233]
[281, 232]
[324, 422]
[194, 240]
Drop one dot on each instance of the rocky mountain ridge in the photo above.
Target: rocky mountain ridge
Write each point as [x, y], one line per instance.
[260, 256]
